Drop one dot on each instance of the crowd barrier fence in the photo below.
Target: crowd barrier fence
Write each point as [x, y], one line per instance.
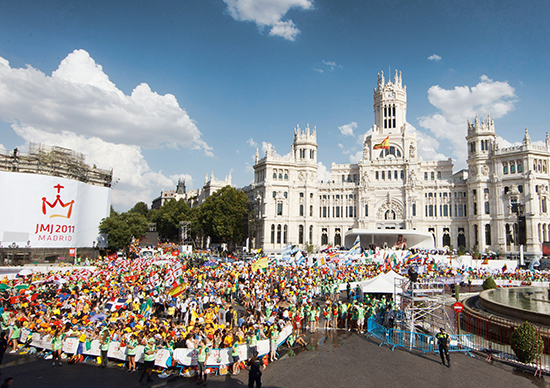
[164, 357]
[417, 341]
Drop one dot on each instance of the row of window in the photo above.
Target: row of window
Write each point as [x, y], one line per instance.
[484, 145]
[432, 175]
[539, 165]
[512, 164]
[280, 175]
[389, 116]
[444, 210]
[381, 175]
[337, 196]
[338, 212]
[303, 153]
[349, 178]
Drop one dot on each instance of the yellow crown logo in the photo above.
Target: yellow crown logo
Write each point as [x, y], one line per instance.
[66, 208]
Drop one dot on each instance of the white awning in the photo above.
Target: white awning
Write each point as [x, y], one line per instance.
[415, 239]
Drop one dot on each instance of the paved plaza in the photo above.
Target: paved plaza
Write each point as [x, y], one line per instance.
[339, 359]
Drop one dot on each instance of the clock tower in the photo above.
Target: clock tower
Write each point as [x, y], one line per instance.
[390, 105]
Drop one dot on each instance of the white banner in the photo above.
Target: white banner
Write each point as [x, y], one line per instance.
[50, 212]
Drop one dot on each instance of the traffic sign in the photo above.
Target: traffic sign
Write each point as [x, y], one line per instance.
[458, 307]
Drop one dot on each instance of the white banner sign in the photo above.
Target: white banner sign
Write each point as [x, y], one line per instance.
[50, 212]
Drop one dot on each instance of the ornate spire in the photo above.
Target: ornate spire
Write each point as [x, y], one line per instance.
[526, 138]
[257, 157]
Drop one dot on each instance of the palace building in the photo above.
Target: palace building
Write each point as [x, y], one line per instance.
[499, 203]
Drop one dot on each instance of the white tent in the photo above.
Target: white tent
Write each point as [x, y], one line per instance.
[381, 284]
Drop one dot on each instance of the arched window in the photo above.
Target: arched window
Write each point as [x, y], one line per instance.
[300, 234]
[285, 229]
[414, 209]
[311, 210]
[337, 237]
[286, 176]
[311, 234]
[390, 151]
[274, 175]
[389, 215]
[301, 210]
[272, 233]
[279, 234]
[324, 237]
[488, 234]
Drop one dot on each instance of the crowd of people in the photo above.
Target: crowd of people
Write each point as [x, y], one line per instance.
[176, 301]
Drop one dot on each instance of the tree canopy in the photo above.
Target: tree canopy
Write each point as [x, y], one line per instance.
[120, 228]
[221, 214]
[169, 216]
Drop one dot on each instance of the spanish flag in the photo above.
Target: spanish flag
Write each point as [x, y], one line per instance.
[178, 290]
[385, 145]
[260, 263]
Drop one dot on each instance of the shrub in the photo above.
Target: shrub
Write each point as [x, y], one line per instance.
[524, 343]
[489, 283]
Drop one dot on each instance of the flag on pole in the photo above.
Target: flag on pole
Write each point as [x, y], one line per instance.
[385, 145]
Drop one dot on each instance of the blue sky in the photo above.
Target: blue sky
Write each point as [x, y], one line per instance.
[159, 90]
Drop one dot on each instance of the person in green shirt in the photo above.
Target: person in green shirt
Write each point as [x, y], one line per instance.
[15, 335]
[360, 318]
[57, 345]
[104, 342]
[274, 339]
[149, 354]
[202, 358]
[235, 356]
[131, 353]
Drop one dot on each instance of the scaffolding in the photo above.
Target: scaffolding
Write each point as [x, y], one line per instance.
[55, 161]
[422, 306]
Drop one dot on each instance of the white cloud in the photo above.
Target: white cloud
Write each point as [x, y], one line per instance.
[332, 65]
[323, 174]
[356, 157]
[286, 30]
[79, 97]
[252, 143]
[318, 70]
[136, 181]
[78, 107]
[347, 129]
[268, 13]
[434, 57]
[449, 127]
[2, 149]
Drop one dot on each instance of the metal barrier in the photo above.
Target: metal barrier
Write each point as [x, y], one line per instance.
[461, 343]
[417, 341]
[377, 331]
[410, 340]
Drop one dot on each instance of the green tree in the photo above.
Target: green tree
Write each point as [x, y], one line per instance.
[221, 214]
[489, 283]
[168, 218]
[525, 343]
[140, 208]
[120, 228]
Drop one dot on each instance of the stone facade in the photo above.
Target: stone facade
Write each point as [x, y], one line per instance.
[395, 189]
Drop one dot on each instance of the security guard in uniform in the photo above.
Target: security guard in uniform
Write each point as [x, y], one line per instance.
[443, 341]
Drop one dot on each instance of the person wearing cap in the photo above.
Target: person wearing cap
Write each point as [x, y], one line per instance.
[149, 354]
[443, 342]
